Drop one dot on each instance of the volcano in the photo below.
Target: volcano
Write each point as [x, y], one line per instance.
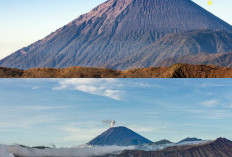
[124, 34]
[119, 136]
[190, 140]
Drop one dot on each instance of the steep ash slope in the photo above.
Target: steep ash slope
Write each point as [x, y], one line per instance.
[175, 46]
[221, 59]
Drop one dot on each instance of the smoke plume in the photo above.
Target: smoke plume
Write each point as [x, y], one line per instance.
[110, 122]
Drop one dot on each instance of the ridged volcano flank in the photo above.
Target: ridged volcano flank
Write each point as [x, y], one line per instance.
[152, 15]
[122, 29]
[120, 136]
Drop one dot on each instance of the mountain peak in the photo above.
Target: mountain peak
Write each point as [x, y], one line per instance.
[223, 141]
[120, 136]
[162, 142]
[189, 139]
[152, 15]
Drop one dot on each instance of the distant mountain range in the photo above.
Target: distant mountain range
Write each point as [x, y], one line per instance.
[186, 140]
[189, 147]
[218, 148]
[118, 139]
[122, 136]
[125, 34]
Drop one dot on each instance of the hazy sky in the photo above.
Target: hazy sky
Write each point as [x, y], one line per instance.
[26, 21]
[69, 112]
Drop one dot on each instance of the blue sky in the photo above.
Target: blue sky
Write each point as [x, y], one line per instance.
[70, 112]
[26, 21]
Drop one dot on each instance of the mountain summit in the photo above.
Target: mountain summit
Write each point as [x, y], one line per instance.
[123, 34]
[190, 140]
[120, 136]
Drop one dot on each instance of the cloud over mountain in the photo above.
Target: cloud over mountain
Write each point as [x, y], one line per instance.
[101, 87]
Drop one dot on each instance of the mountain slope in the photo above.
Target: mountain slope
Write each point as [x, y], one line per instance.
[221, 59]
[178, 45]
[218, 148]
[120, 136]
[115, 31]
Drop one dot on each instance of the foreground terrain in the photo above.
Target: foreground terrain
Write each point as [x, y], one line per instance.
[174, 71]
[218, 148]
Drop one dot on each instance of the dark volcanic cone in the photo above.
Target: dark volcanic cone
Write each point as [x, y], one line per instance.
[120, 136]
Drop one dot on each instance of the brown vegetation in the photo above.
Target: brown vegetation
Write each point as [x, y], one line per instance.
[174, 71]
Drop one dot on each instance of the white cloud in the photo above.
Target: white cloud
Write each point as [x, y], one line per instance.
[210, 103]
[110, 88]
[213, 84]
[141, 128]
[17, 109]
[83, 151]
[41, 108]
[26, 122]
[35, 87]
[211, 114]
[145, 84]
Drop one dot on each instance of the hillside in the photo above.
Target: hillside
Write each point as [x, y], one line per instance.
[174, 71]
[192, 47]
[218, 148]
[162, 142]
[220, 59]
[125, 34]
